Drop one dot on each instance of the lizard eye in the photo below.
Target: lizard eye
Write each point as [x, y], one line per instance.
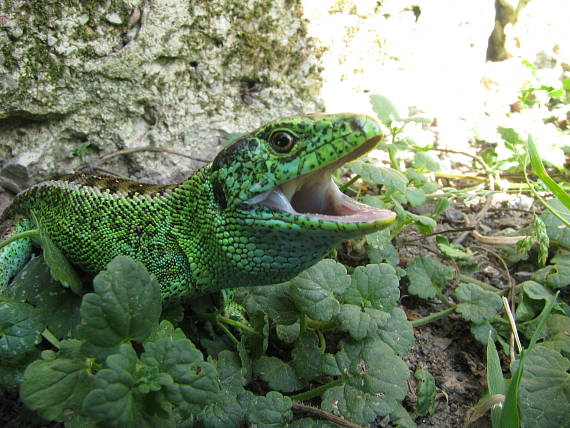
[282, 142]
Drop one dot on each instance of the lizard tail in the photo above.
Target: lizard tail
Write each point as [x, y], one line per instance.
[15, 255]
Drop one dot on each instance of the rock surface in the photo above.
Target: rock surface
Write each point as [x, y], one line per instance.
[83, 79]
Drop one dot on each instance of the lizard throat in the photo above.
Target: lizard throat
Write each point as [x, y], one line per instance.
[316, 195]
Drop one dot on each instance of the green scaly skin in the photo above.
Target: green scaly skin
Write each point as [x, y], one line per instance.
[205, 234]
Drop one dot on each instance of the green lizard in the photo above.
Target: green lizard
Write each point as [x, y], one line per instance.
[263, 211]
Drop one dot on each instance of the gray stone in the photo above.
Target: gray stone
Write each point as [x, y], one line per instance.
[84, 80]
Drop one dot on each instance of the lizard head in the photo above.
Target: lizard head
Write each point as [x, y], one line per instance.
[282, 172]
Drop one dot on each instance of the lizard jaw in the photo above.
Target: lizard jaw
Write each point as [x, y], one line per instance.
[316, 195]
[321, 199]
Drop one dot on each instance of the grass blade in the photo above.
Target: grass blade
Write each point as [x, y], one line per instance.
[538, 168]
[495, 381]
[510, 416]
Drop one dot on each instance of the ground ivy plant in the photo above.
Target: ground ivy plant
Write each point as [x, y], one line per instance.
[112, 357]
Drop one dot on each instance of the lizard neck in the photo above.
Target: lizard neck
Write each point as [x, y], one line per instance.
[228, 247]
[194, 215]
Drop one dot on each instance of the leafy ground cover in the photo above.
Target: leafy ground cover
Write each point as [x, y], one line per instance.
[457, 314]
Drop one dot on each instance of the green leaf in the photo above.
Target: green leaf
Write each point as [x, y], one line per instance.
[557, 273]
[58, 306]
[374, 286]
[379, 175]
[277, 374]
[230, 372]
[542, 320]
[452, 251]
[495, 380]
[481, 333]
[536, 291]
[558, 333]
[115, 402]
[510, 136]
[257, 343]
[361, 322]
[274, 300]
[228, 411]
[426, 160]
[12, 371]
[56, 388]
[415, 197]
[271, 411]
[477, 305]
[397, 332]
[384, 109]
[423, 223]
[80, 421]
[510, 415]
[195, 381]
[225, 413]
[555, 228]
[126, 306]
[545, 389]
[165, 330]
[380, 249]
[378, 239]
[425, 391]
[388, 254]
[288, 333]
[401, 418]
[374, 381]
[427, 275]
[313, 291]
[533, 297]
[306, 357]
[441, 206]
[60, 268]
[20, 329]
[244, 359]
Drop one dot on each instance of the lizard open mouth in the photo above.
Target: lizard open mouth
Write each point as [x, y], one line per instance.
[316, 195]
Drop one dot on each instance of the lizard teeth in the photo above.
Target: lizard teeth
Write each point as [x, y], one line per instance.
[273, 199]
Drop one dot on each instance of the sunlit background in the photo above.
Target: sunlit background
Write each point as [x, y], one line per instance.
[429, 58]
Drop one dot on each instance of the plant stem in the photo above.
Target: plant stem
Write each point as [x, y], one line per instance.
[443, 298]
[229, 334]
[237, 324]
[316, 392]
[440, 174]
[303, 323]
[349, 183]
[481, 284]
[433, 317]
[324, 415]
[34, 233]
[319, 325]
[221, 319]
